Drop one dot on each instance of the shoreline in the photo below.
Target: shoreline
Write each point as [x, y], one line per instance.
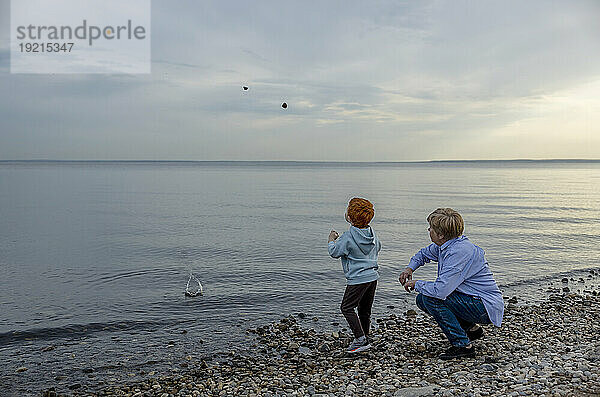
[549, 349]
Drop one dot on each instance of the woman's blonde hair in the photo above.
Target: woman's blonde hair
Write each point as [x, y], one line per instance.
[446, 221]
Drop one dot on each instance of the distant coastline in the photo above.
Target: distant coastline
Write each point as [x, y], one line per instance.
[309, 162]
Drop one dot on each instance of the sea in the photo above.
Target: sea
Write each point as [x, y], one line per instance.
[95, 256]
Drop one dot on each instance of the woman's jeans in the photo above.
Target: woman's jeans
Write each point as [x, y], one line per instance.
[455, 315]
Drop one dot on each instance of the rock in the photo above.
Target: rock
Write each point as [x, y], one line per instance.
[48, 348]
[301, 315]
[21, 369]
[488, 367]
[565, 280]
[391, 306]
[75, 386]
[566, 289]
[415, 391]
[293, 346]
[411, 312]
[594, 354]
[513, 300]
[324, 348]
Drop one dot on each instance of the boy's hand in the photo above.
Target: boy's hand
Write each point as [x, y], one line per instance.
[333, 235]
[410, 285]
[405, 275]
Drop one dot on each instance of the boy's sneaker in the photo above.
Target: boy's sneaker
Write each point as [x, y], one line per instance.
[458, 352]
[358, 345]
[475, 334]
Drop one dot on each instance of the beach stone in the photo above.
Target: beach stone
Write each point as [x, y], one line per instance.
[324, 348]
[21, 369]
[411, 312]
[415, 391]
[594, 354]
[293, 346]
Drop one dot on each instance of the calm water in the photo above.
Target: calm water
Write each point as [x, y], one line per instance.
[94, 257]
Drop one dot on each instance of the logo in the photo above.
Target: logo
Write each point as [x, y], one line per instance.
[80, 36]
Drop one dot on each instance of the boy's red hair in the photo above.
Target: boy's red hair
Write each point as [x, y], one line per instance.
[360, 212]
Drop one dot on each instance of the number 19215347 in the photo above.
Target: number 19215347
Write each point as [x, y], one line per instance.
[46, 47]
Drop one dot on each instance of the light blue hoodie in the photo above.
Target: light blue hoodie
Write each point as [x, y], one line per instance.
[358, 249]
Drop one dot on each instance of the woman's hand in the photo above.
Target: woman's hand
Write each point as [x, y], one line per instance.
[405, 275]
[410, 285]
[333, 235]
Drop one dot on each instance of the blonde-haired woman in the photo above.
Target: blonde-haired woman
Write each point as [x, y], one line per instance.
[464, 293]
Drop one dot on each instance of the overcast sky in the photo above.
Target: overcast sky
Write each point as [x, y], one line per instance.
[364, 81]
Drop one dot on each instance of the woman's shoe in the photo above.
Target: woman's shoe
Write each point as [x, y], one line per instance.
[476, 334]
[458, 352]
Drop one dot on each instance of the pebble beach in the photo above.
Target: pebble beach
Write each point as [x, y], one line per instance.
[550, 348]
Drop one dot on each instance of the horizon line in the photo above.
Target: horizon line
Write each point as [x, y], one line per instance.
[300, 161]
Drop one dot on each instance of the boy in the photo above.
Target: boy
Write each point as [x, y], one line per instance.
[358, 248]
[464, 293]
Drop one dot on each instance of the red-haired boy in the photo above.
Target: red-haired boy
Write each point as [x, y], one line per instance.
[358, 248]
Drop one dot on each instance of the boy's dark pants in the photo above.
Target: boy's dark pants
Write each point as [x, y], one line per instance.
[361, 296]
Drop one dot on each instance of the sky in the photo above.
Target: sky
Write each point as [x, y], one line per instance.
[364, 81]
